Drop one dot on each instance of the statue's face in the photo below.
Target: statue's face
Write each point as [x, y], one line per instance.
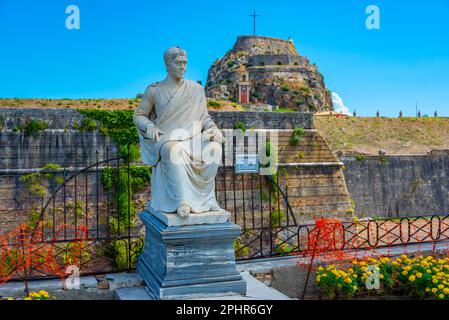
[177, 67]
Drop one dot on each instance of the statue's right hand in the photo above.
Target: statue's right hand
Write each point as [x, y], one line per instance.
[153, 132]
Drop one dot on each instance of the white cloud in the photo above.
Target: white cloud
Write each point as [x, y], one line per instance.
[339, 104]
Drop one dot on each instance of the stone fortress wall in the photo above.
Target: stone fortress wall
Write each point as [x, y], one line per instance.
[317, 182]
[276, 73]
[310, 171]
[263, 45]
[399, 186]
[276, 59]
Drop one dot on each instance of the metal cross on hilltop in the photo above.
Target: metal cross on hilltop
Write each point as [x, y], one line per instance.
[254, 15]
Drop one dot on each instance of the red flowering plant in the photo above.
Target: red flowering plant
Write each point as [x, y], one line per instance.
[27, 250]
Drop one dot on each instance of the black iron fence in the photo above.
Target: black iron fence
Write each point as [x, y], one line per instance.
[54, 201]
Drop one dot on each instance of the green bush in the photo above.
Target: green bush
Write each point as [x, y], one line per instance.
[296, 136]
[213, 103]
[277, 217]
[31, 126]
[240, 249]
[240, 125]
[87, 124]
[118, 251]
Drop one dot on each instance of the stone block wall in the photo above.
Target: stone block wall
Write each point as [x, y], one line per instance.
[309, 172]
[399, 186]
[263, 120]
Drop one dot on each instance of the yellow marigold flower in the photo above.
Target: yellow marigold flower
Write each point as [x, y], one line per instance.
[320, 268]
[355, 275]
[381, 276]
[10, 299]
[440, 287]
[434, 290]
[318, 279]
[354, 287]
[419, 275]
[27, 298]
[441, 296]
[404, 273]
[429, 271]
[412, 278]
[446, 291]
[348, 280]
[404, 256]
[394, 263]
[435, 281]
[427, 289]
[354, 262]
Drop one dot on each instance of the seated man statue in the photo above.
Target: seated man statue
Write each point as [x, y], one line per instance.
[179, 140]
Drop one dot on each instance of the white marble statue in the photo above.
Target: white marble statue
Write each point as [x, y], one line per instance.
[180, 140]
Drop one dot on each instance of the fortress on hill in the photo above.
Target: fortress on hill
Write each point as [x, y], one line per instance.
[263, 70]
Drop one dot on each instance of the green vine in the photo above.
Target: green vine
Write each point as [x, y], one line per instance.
[34, 183]
[116, 179]
[119, 126]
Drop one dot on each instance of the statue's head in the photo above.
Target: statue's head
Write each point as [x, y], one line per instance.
[175, 62]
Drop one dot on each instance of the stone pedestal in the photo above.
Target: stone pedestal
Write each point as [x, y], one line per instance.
[192, 256]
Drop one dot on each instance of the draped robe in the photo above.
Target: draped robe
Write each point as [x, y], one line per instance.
[179, 176]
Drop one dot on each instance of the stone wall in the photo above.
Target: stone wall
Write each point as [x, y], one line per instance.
[263, 120]
[399, 186]
[57, 118]
[264, 45]
[309, 170]
[64, 119]
[276, 59]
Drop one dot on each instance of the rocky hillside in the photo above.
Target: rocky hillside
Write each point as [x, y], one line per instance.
[276, 73]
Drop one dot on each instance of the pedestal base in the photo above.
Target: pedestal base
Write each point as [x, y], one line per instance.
[182, 260]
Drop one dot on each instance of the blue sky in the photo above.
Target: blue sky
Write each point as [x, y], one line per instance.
[118, 50]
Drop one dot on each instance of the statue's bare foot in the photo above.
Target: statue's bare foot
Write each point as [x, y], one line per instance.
[183, 211]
